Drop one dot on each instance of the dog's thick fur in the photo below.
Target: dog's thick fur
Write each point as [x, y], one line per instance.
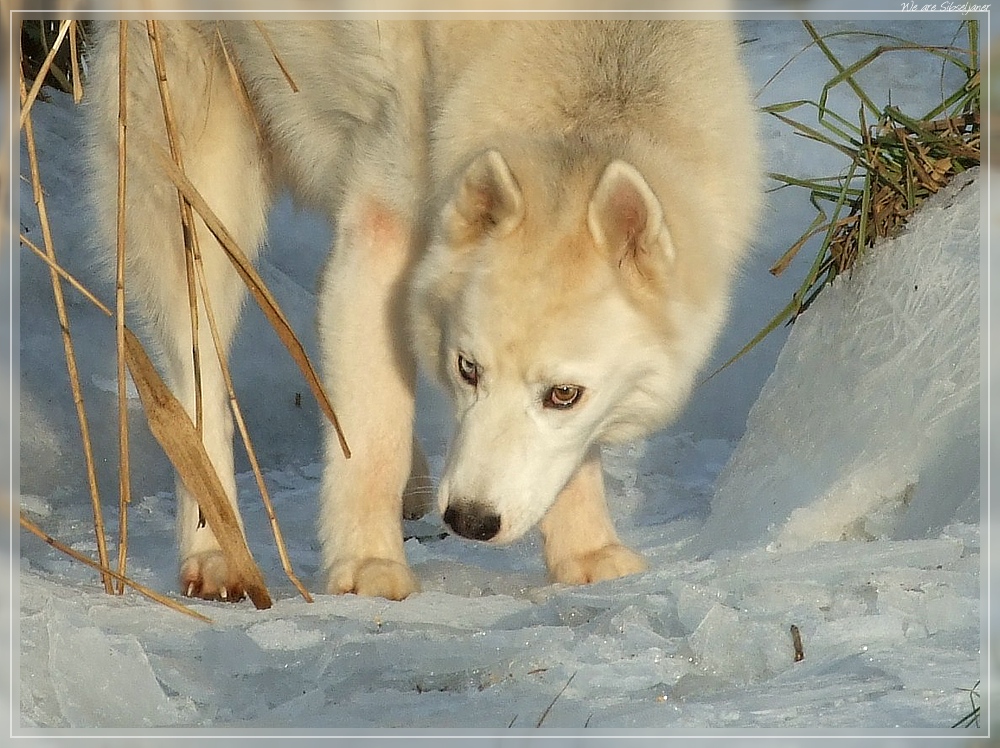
[547, 215]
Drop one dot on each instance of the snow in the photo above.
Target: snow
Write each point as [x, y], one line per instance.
[845, 501]
[885, 443]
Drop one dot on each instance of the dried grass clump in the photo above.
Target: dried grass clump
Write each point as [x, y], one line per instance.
[894, 165]
[27, 99]
[178, 434]
[907, 161]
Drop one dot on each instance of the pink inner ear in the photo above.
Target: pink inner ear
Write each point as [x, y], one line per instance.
[488, 204]
[473, 202]
[629, 211]
[489, 196]
[626, 213]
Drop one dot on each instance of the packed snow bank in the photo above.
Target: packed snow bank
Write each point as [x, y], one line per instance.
[869, 425]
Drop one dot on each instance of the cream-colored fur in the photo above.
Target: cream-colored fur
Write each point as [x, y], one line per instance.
[546, 214]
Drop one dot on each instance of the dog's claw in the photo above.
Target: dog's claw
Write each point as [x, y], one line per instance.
[207, 576]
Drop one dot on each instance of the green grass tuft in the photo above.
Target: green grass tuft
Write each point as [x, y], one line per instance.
[972, 718]
[896, 162]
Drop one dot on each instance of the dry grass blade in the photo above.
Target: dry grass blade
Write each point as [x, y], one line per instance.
[68, 349]
[971, 719]
[173, 429]
[786, 259]
[259, 291]
[31, 527]
[239, 87]
[245, 434]
[277, 58]
[191, 249]
[554, 700]
[124, 462]
[195, 273]
[65, 275]
[74, 56]
[28, 101]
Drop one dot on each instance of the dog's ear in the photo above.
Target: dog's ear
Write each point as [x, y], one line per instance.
[626, 221]
[488, 200]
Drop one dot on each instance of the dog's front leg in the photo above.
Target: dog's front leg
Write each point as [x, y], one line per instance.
[581, 545]
[370, 378]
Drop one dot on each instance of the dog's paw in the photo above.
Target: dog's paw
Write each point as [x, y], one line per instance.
[206, 575]
[372, 577]
[608, 562]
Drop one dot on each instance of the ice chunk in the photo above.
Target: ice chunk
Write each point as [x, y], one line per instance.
[728, 646]
[218, 646]
[283, 634]
[101, 679]
[621, 465]
[36, 505]
[928, 600]
[869, 425]
[694, 601]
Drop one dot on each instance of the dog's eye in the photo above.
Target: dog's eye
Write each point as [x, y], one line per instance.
[468, 370]
[562, 396]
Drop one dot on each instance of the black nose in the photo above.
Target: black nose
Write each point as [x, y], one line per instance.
[472, 521]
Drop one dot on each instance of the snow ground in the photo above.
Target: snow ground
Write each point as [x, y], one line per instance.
[890, 616]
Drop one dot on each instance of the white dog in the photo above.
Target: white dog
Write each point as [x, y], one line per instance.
[547, 214]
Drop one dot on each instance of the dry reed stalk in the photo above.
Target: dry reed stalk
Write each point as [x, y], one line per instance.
[171, 425]
[124, 461]
[191, 248]
[195, 269]
[55, 71]
[75, 62]
[31, 527]
[43, 217]
[239, 87]
[277, 58]
[245, 434]
[28, 101]
[65, 275]
[244, 98]
[133, 356]
[83, 290]
[259, 290]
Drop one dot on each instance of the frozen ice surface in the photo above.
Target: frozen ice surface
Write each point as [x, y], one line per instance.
[869, 425]
[283, 634]
[123, 690]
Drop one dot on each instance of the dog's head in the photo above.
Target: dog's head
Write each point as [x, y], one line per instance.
[550, 305]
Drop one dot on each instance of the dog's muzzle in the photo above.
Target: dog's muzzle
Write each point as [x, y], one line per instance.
[473, 521]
